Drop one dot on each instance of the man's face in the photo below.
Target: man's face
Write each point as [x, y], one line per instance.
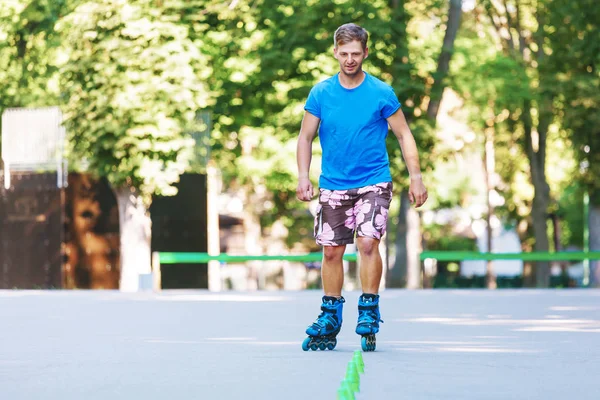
[350, 56]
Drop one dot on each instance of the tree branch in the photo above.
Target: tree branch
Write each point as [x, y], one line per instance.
[495, 19]
[510, 25]
[522, 41]
[454, 15]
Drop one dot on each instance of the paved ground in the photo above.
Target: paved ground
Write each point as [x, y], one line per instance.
[464, 345]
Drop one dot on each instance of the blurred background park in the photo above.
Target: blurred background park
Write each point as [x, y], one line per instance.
[135, 132]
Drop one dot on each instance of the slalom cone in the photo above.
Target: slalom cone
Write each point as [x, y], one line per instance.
[358, 360]
[353, 377]
[345, 391]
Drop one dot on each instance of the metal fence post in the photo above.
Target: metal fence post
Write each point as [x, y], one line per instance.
[156, 276]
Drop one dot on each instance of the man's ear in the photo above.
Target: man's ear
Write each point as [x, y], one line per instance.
[366, 52]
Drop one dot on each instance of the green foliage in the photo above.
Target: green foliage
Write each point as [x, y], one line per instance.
[491, 82]
[511, 83]
[574, 36]
[570, 212]
[132, 81]
[28, 45]
[441, 237]
[495, 88]
[262, 82]
[131, 76]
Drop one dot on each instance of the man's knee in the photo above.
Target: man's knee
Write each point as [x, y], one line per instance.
[367, 246]
[333, 253]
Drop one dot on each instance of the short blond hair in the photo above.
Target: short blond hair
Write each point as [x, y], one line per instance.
[348, 33]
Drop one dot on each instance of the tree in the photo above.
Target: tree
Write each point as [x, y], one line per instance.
[519, 31]
[287, 49]
[421, 90]
[28, 46]
[574, 65]
[492, 84]
[131, 83]
[264, 79]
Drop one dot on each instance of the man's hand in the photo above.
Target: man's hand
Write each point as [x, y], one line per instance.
[417, 194]
[305, 191]
[308, 131]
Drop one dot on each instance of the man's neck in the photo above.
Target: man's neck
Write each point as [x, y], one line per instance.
[351, 81]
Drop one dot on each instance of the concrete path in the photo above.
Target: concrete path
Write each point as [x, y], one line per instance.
[525, 344]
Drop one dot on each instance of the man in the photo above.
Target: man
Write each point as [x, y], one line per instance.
[352, 111]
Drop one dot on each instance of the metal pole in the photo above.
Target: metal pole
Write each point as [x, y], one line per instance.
[586, 237]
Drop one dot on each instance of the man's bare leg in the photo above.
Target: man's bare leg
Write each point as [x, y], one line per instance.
[371, 266]
[332, 270]
[368, 304]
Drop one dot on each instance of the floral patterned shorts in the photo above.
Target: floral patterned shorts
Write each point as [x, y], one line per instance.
[341, 214]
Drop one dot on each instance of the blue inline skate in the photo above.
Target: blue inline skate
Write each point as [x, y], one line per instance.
[368, 320]
[322, 333]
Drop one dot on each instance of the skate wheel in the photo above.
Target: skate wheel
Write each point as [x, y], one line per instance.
[305, 344]
[322, 346]
[363, 343]
[368, 343]
[332, 343]
[313, 347]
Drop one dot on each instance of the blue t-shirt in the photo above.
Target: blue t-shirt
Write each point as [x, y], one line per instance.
[352, 131]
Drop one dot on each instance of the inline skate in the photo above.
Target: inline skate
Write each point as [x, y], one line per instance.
[322, 333]
[368, 320]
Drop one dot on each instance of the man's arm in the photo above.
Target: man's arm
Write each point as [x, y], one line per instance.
[308, 131]
[416, 192]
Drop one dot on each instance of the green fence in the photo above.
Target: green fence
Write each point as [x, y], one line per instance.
[445, 281]
[165, 258]
[183, 258]
[531, 256]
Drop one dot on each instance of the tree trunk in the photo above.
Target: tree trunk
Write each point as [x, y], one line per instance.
[538, 214]
[253, 246]
[555, 232]
[594, 229]
[435, 96]
[537, 159]
[397, 275]
[213, 230]
[489, 167]
[406, 271]
[541, 197]
[414, 248]
[556, 240]
[135, 229]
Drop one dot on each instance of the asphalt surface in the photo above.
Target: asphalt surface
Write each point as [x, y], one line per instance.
[505, 344]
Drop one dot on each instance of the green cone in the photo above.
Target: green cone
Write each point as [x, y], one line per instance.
[345, 391]
[352, 371]
[358, 360]
[353, 377]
